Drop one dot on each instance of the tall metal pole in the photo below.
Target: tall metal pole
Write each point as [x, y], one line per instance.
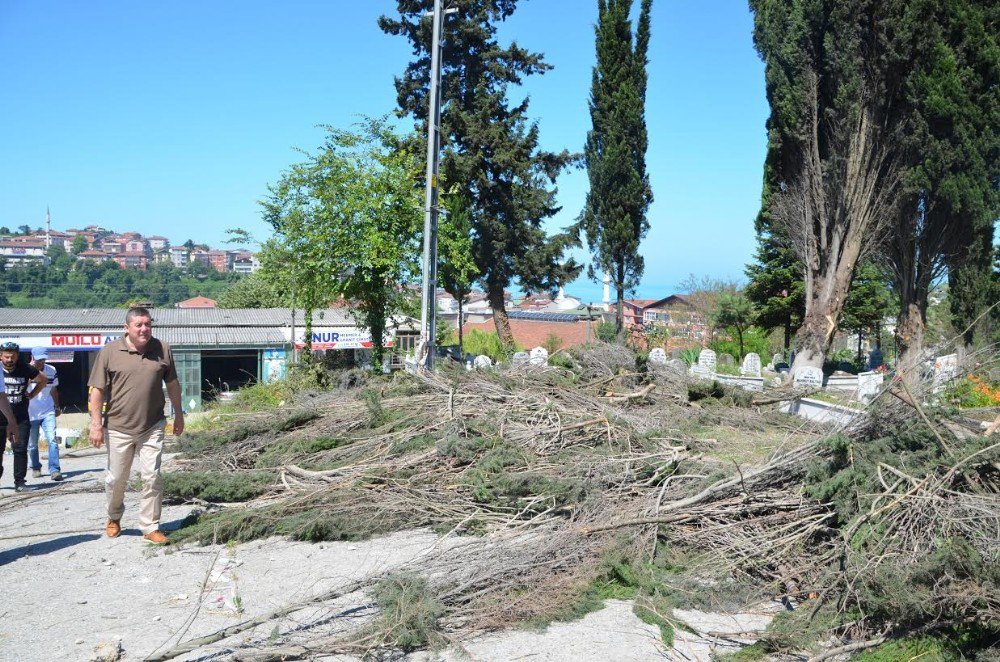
[428, 299]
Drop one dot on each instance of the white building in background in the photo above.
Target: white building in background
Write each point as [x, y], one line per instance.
[180, 256]
[24, 251]
[157, 243]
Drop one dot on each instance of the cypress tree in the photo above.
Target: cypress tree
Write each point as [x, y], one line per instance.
[489, 146]
[614, 215]
[950, 148]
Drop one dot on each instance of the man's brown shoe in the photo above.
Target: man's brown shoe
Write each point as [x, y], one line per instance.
[112, 528]
[156, 537]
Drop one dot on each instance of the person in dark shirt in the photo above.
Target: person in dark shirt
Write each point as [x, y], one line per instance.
[16, 376]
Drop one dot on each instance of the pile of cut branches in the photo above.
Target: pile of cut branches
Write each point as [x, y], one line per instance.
[550, 471]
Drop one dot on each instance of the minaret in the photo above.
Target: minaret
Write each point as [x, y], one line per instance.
[48, 228]
[607, 291]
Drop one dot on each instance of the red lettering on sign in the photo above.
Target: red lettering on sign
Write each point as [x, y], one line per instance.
[77, 340]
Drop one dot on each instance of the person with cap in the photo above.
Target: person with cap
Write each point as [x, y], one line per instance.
[128, 376]
[42, 411]
[17, 375]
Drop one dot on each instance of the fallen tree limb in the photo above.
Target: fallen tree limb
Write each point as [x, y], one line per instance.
[232, 630]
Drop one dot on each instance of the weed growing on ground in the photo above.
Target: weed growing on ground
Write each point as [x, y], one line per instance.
[409, 613]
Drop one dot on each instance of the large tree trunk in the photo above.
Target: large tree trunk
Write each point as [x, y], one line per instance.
[910, 326]
[833, 213]
[826, 291]
[500, 318]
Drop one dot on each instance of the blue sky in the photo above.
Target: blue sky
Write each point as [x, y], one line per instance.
[172, 117]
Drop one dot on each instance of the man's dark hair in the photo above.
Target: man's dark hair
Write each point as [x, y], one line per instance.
[137, 311]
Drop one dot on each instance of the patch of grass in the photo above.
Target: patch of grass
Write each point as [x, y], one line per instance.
[215, 486]
[409, 613]
[924, 648]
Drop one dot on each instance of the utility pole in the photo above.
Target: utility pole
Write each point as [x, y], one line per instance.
[428, 294]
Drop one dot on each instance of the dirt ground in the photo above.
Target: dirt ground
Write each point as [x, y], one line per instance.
[69, 590]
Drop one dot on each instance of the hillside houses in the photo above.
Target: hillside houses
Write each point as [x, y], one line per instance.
[128, 249]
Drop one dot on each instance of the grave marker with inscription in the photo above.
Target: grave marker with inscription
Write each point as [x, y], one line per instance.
[808, 377]
[751, 365]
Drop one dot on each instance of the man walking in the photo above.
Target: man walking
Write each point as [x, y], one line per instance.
[42, 412]
[16, 376]
[128, 377]
[8, 427]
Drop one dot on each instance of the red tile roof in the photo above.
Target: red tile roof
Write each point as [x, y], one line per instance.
[197, 302]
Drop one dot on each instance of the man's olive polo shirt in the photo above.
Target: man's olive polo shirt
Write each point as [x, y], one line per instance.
[132, 383]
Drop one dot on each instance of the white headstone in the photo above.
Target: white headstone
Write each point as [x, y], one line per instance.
[751, 365]
[482, 362]
[657, 355]
[539, 356]
[707, 360]
[808, 377]
[945, 369]
[869, 385]
[520, 358]
[777, 358]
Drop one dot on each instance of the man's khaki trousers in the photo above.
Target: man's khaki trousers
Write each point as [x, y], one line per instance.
[122, 448]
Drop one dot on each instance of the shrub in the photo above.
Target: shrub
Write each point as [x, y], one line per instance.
[754, 340]
[606, 332]
[970, 392]
[488, 344]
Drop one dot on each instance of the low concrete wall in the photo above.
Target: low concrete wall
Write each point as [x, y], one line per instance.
[746, 383]
[819, 411]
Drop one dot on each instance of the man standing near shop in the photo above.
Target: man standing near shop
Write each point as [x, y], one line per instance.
[42, 411]
[128, 377]
[17, 374]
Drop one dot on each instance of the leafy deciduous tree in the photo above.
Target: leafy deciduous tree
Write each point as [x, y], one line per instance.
[348, 217]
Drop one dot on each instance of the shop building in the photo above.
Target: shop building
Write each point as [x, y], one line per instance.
[216, 350]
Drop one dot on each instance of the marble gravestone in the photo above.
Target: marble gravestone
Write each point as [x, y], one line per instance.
[808, 377]
[751, 365]
[705, 367]
[657, 356]
[539, 356]
[482, 362]
[520, 358]
[945, 370]
[869, 385]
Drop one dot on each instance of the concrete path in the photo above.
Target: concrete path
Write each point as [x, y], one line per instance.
[70, 591]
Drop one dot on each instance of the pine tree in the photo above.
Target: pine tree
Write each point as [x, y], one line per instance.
[867, 303]
[776, 287]
[614, 216]
[489, 146]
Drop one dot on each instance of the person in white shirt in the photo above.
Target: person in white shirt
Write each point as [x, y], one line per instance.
[42, 412]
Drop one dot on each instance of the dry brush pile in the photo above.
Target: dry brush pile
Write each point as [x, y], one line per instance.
[561, 486]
